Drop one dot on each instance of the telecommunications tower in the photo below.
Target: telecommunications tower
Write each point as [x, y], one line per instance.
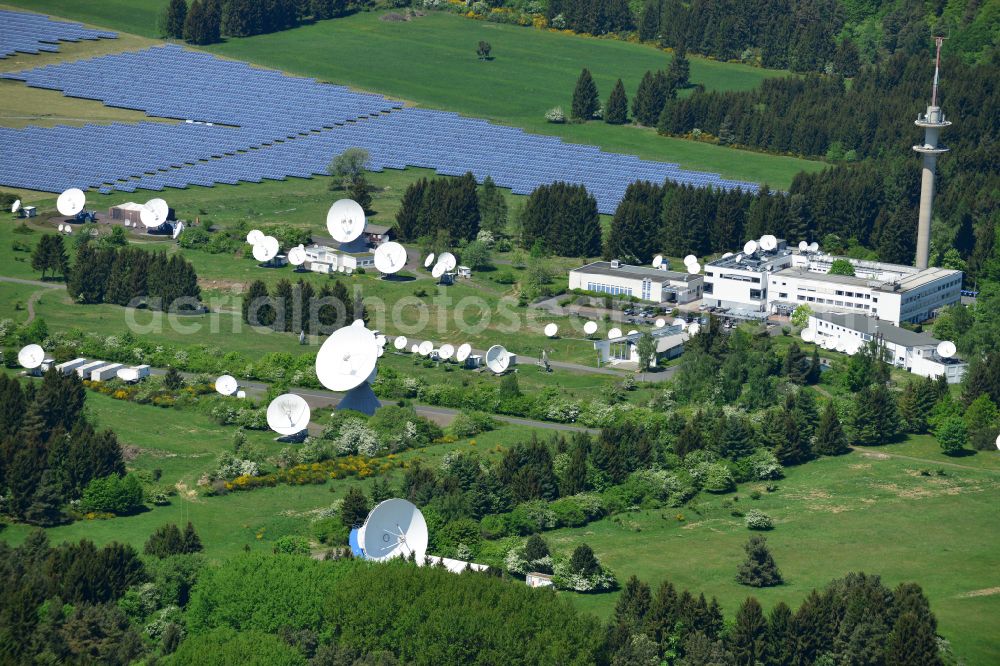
[933, 122]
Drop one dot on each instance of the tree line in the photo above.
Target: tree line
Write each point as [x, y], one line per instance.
[49, 452]
[299, 307]
[445, 208]
[124, 275]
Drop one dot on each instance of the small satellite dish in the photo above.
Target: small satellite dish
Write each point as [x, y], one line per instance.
[694, 328]
[853, 346]
[414, 347]
[998, 441]
[394, 528]
[660, 323]
[226, 385]
[380, 352]
[814, 247]
[946, 349]
[390, 257]
[694, 268]
[399, 342]
[60, 227]
[160, 207]
[551, 330]
[463, 352]
[31, 356]
[590, 327]
[680, 322]
[241, 394]
[808, 335]
[633, 332]
[16, 206]
[448, 260]
[803, 246]
[690, 259]
[297, 256]
[614, 333]
[657, 261]
[71, 202]
[126, 223]
[255, 237]
[346, 358]
[345, 220]
[438, 270]
[428, 260]
[768, 242]
[446, 352]
[68, 229]
[425, 348]
[380, 340]
[497, 359]
[150, 217]
[749, 247]
[726, 255]
[288, 414]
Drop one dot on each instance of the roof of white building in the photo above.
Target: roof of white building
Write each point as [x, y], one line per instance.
[869, 325]
[635, 272]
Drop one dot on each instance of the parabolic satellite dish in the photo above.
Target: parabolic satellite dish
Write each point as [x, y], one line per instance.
[255, 236]
[679, 322]
[160, 207]
[297, 256]
[345, 220]
[428, 260]
[390, 257]
[226, 385]
[946, 349]
[614, 333]
[425, 348]
[241, 394]
[16, 206]
[768, 242]
[31, 356]
[690, 259]
[808, 335]
[414, 347]
[346, 358]
[463, 352]
[71, 202]
[394, 528]
[497, 359]
[266, 249]
[448, 260]
[840, 345]
[749, 247]
[803, 246]
[633, 332]
[380, 340]
[399, 342]
[151, 217]
[814, 247]
[551, 330]
[590, 327]
[694, 268]
[445, 352]
[694, 328]
[738, 258]
[726, 255]
[657, 261]
[438, 270]
[660, 323]
[60, 227]
[288, 414]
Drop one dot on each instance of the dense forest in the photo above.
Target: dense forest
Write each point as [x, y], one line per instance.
[129, 275]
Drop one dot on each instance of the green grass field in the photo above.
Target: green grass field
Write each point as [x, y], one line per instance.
[431, 62]
[868, 511]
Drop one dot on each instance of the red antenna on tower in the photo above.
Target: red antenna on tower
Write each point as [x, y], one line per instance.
[937, 68]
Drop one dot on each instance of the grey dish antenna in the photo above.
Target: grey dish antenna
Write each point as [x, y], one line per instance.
[226, 385]
[345, 220]
[497, 359]
[346, 358]
[31, 356]
[390, 257]
[288, 414]
[394, 528]
[71, 202]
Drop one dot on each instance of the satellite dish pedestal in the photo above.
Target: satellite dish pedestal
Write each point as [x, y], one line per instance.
[296, 438]
[361, 398]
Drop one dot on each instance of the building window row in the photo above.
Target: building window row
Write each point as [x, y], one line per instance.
[612, 289]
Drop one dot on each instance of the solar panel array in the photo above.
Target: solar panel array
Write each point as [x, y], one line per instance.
[23, 32]
[248, 124]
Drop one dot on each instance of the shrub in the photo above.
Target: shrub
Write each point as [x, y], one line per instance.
[555, 115]
[758, 520]
[112, 494]
[470, 424]
[718, 479]
[292, 545]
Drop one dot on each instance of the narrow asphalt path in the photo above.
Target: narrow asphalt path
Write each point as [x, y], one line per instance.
[33, 283]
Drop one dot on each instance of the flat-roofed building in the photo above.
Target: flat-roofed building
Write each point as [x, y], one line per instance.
[740, 281]
[648, 284]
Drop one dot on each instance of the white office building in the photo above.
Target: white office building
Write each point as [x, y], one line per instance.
[914, 352]
[738, 281]
[655, 285]
[324, 259]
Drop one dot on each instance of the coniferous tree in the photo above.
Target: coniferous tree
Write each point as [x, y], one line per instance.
[649, 21]
[748, 638]
[616, 111]
[644, 109]
[257, 307]
[796, 366]
[575, 479]
[793, 448]
[830, 437]
[780, 646]
[876, 418]
[164, 542]
[50, 255]
[88, 279]
[172, 24]
[584, 562]
[282, 298]
[635, 228]
[680, 69]
[586, 101]
[758, 569]
[355, 508]
[190, 540]
[492, 208]
[359, 192]
[408, 216]
[633, 605]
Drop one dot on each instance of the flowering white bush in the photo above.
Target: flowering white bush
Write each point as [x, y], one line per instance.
[112, 342]
[555, 115]
[230, 467]
[356, 437]
[565, 579]
[563, 411]
[765, 466]
[758, 520]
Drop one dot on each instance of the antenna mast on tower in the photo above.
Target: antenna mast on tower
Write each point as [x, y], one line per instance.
[933, 122]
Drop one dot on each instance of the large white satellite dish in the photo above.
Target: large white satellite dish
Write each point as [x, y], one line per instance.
[497, 359]
[614, 333]
[297, 256]
[31, 356]
[399, 342]
[694, 268]
[226, 385]
[803, 246]
[255, 236]
[749, 247]
[768, 242]
[946, 349]
[463, 352]
[448, 260]
[346, 358]
[690, 259]
[150, 217]
[814, 247]
[590, 327]
[71, 202]
[808, 335]
[425, 348]
[345, 220]
[446, 352]
[16, 206]
[428, 260]
[660, 323]
[551, 330]
[394, 528]
[160, 207]
[288, 414]
[438, 270]
[267, 249]
[390, 257]
[657, 261]
[694, 328]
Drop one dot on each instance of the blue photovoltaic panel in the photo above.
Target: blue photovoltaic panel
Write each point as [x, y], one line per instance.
[248, 124]
[23, 32]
